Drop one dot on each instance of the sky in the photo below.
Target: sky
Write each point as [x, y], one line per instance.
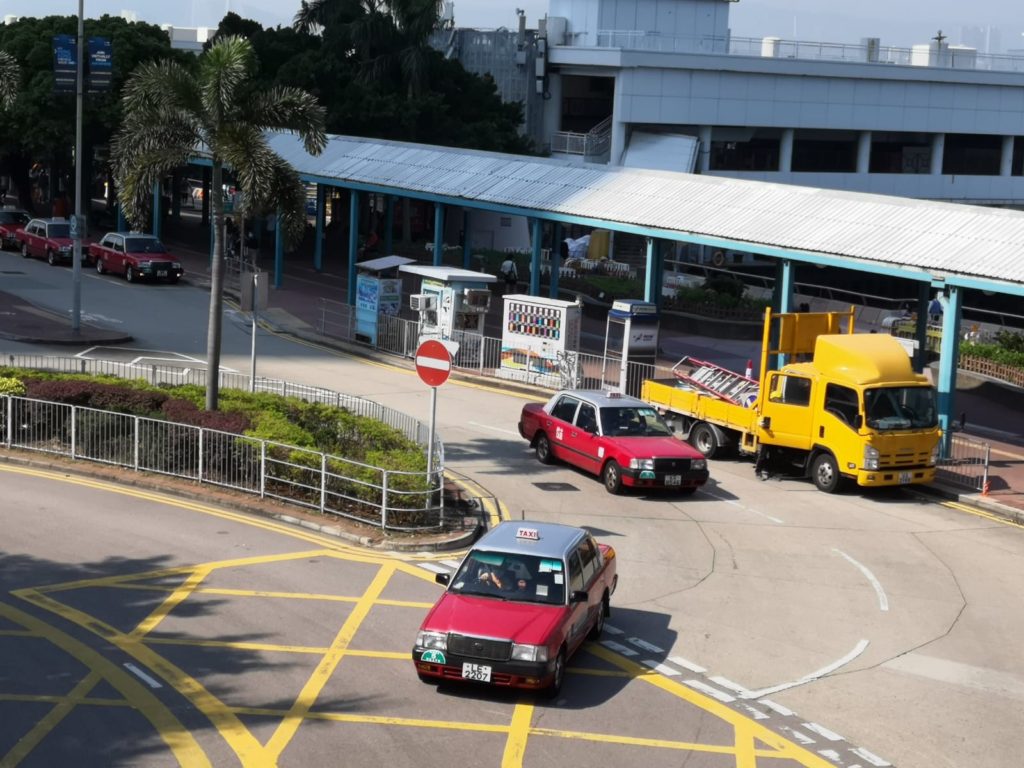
[896, 22]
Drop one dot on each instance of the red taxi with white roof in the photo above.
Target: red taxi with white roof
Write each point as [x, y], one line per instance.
[521, 603]
[620, 439]
[12, 221]
[48, 239]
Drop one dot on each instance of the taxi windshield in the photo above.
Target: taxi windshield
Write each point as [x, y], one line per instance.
[892, 408]
[520, 578]
[633, 421]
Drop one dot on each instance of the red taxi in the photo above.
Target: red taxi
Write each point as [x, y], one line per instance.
[620, 439]
[521, 603]
[48, 239]
[11, 221]
[135, 255]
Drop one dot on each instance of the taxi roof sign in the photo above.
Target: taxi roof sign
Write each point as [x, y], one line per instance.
[528, 533]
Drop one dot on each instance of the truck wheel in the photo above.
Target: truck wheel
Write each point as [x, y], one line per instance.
[99, 266]
[703, 438]
[825, 473]
[543, 449]
[611, 476]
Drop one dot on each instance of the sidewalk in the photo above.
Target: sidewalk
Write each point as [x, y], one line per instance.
[294, 309]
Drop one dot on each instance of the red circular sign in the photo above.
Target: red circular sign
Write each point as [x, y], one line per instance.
[433, 363]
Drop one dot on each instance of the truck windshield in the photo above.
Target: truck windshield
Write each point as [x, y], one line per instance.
[892, 408]
[631, 421]
[511, 576]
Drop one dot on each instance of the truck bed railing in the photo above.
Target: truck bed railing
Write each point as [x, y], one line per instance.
[718, 381]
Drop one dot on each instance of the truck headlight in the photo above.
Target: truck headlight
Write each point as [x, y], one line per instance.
[870, 457]
[699, 464]
[522, 652]
[437, 641]
[934, 458]
[641, 464]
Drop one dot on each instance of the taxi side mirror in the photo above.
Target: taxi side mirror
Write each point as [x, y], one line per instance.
[578, 596]
[443, 578]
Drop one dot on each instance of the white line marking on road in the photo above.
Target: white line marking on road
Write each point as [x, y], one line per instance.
[686, 664]
[823, 731]
[142, 675]
[433, 568]
[494, 429]
[664, 669]
[711, 691]
[803, 738]
[612, 630]
[777, 708]
[757, 713]
[857, 651]
[883, 601]
[618, 648]
[727, 683]
[863, 754]
[744, 507]
[830, 754]
[645, 645]
[453, 564]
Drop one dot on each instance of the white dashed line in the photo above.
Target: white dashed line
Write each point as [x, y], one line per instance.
[777, 708]
[883, 601]
[823, 731]
[433, 568]
[711, 691]
[803, 738]
[142, 675]
[744, 507]
[863, 754]
[727, 683]
[489, 426]
[755, 712]
[664, 669]
[453, 564]
[687, 664]
[611, 645]
[645, 645]
[613, 630]
[830, 754]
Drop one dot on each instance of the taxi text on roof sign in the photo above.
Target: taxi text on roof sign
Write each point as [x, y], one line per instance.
[528, 533]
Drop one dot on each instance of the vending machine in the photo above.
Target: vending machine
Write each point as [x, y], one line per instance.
[540, 341]
[631, 336]
[378, 291]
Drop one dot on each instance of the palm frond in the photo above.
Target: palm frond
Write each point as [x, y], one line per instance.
[290, 109]
[10, 76]
[223, 70]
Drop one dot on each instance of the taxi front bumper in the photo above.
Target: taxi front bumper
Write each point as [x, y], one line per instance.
[639, 478]
[509, 674]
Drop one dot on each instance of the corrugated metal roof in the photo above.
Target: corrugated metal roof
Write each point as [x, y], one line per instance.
[939, 239]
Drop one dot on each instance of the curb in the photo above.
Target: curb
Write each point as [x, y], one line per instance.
[952, 493]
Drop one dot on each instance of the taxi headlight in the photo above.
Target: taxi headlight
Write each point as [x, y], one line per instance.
[437, 641]
[641, 464]
[870, 457]
[699, 464]
[522, 652]
[175, 265]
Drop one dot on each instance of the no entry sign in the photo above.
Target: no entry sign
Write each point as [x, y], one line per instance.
[433, 363]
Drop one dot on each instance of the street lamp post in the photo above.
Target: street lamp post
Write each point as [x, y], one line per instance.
[76, 266]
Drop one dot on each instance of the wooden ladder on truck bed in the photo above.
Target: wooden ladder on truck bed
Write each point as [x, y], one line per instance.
[716, 380]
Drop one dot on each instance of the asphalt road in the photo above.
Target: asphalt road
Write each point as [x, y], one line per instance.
[883, 621]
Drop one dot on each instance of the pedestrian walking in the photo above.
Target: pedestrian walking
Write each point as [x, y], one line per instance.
[510, 273]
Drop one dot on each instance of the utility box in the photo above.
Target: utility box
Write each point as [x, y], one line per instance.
[540, 341]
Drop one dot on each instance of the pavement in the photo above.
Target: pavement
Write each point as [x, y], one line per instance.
[996, 410]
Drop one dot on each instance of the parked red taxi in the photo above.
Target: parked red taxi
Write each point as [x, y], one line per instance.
[48, 239]
[136, 256]
[521, 603]
[620, 439]
[12, 220]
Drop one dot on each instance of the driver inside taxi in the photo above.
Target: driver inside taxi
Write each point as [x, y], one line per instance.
[506, 580]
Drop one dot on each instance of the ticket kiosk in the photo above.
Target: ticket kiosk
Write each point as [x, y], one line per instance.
[631, 336]
[540, 341]
[378, 291]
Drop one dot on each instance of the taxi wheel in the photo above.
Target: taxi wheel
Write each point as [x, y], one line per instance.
[543, 449]
[611, 476]
[555, 686]
[51, 258]
[99, 267]
[129, 274]
[24, 250]
[602, 611]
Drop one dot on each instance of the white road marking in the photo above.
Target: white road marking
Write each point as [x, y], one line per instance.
[433, 568]
[612, 630]
[513, 432]
[757, 713]
[777, 708]
[863, 754]
[727, 683]
[969, 676]
[453, 564]
[857, 651]
[711, 691]
[883, 601]
[687, 664]
[618, 648]
[664, 669]
[142, 675]
[645, 645]
[830, 754]
[823, 731]
[803, 738]
[744, 507]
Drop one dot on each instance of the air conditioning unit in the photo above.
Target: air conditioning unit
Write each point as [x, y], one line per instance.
[422, 302]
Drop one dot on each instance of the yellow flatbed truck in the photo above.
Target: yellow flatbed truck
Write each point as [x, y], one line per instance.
[842, 406]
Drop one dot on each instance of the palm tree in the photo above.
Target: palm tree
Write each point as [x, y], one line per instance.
[10, 74]
[173, 114]
[386, 35]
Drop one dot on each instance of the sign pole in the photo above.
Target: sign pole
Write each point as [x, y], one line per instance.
[430, 433]
[76, 254]
[255, 302]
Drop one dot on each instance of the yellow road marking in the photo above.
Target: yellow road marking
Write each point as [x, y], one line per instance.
[338, 717]
[783, 748]
[746, 753]
[84, 701]
[286, 730]
[977, 512]
[636, 741]
[183, 745]
[518, 732]
[270, 594]
[249, 751]
[16, 633]
[1007, 454]
[273, 648]
[177, 597]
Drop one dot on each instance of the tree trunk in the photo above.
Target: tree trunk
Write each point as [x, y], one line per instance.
[213, 333]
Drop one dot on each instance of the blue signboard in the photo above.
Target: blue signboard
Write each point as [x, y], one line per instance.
[65, 63]
[101, 64]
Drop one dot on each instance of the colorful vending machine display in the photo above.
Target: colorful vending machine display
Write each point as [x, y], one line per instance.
[540, 341]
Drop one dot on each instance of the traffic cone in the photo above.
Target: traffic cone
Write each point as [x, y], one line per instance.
[750, 369]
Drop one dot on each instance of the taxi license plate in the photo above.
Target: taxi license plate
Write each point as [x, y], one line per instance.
[673, 479]
[161, 273]
[479, 672]
[906, 477]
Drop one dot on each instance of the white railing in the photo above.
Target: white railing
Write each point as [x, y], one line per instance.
[594, 143]
[966, 464]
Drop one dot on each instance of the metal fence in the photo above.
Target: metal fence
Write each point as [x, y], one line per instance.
[967, 463]
[334, 485]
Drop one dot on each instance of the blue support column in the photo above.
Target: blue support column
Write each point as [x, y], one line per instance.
[652, 293]
[782, 301]
[157, 213]
[536, 232]
[389, 224]
[949, 355]
[438, 233]
[467, 252]
[321, 215]
[122, 222]
[921, 331]
[353, 243]
[278, 250]
[556, 259]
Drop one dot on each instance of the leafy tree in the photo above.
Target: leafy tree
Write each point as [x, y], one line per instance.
[10, 74]
[171, 110]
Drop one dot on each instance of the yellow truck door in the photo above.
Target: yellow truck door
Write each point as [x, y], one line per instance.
[786, 417]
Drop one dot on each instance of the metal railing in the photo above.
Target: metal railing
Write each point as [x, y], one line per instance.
[594, 143]
[967, 463]
[333, 485]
